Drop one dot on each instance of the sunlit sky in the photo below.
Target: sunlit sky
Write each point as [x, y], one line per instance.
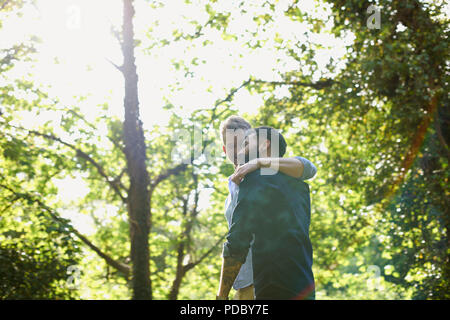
[76, 34]
[77, 44]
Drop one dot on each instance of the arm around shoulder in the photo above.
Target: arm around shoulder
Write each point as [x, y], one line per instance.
[309, 169]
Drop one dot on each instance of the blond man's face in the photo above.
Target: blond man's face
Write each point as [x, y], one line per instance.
[233, 143]
[249, 149]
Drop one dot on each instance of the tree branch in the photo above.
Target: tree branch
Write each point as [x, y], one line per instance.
[416, 143]
[122, 267]
[232, 93]
[10, 204]
[191, 265]
[79, 116]
[81, 154]
[228, 99]
[125, 269]
[440, 136]
[120, 68]
[170, 172]
[318, 85]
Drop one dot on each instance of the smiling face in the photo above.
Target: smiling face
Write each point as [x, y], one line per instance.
[261, 142]
[232, 144]
[250, 149]
[233, 132]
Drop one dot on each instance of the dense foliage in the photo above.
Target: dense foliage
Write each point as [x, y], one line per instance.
[374, 120]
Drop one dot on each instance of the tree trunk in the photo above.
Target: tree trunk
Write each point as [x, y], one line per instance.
[138, 200]
[176, 284]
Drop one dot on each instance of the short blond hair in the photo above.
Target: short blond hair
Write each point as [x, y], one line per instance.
[233, 123]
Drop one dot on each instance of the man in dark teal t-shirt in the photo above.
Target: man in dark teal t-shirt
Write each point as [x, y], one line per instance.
[275, 209]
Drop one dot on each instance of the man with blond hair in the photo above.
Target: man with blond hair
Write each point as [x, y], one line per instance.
[233, 131]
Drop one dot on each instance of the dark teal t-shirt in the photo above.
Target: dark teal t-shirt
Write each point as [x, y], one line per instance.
[276, 210]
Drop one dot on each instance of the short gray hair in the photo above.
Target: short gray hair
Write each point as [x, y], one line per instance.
[233, 123]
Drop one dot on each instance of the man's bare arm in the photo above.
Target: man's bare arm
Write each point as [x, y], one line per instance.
[291, 166]
[229, 272]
